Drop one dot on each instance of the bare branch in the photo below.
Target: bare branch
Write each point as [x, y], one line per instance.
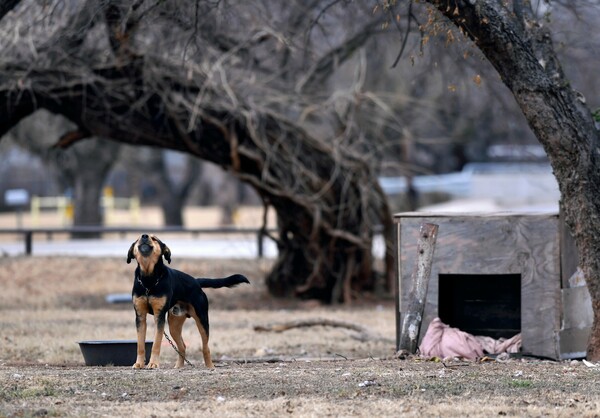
[323, 68]
[70, 138]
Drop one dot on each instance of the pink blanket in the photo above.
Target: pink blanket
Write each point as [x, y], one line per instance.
[443, 341]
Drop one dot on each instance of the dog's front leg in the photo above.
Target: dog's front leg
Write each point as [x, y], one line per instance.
[159, 309]
[141, 310]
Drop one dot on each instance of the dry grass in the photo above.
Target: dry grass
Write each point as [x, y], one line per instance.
[62, 300]
[83, 283]
[48, 304]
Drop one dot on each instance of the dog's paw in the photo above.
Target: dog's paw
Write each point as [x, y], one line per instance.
[137, 366]
[153, 365]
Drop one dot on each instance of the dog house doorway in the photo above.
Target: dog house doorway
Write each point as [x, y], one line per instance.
[481, 304]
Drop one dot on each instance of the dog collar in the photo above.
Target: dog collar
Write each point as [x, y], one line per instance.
[139, 280]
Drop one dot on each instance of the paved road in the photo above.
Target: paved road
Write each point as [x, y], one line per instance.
[200, 248]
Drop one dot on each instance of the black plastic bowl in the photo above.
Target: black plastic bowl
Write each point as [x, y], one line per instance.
[111, 352]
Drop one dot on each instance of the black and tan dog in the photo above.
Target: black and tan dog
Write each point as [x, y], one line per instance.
[168, 293]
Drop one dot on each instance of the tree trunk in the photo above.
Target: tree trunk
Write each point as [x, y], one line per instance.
[172, 208]
[520, 48]
[92, 160]
[87, 208]
[173, 193]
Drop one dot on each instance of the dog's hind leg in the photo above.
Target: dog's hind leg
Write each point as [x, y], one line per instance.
[175, 327]
[204, 335]
[199, 312]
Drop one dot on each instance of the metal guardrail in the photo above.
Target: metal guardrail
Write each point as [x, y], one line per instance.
[28, 233]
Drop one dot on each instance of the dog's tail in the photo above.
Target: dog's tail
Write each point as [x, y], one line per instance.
[230, 281]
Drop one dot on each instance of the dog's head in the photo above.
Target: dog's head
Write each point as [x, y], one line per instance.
[147, 251]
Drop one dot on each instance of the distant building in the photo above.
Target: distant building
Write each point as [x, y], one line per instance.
[501, 186]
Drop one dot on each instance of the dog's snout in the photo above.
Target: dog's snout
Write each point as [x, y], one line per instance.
[144, 237]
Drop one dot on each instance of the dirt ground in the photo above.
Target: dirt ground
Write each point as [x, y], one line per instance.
[47, 305]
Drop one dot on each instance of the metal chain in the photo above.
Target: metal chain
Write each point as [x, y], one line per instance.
[176, 350]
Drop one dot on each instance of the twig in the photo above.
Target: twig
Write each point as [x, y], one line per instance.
[363, 333]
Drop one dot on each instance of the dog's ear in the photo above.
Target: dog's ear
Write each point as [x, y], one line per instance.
[166, 251]
[130, 252]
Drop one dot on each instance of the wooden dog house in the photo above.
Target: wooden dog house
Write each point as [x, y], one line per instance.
[499, 274]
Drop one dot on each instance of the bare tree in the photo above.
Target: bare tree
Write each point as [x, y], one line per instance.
[519, 46]
[171, 74]
[82, 168]
[173, 191]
